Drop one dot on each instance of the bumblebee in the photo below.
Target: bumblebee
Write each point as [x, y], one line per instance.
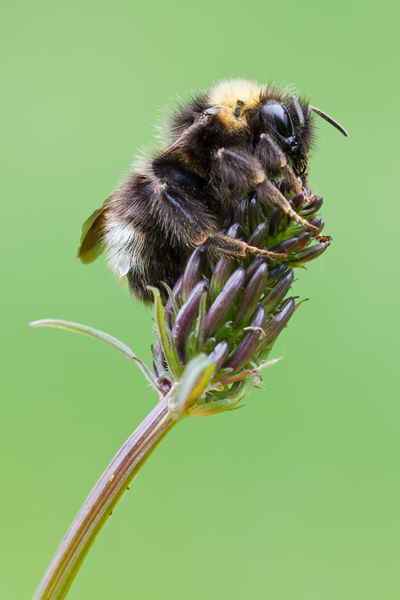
[221, 145]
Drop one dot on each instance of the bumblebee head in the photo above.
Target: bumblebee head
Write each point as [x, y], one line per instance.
[245, 108]
[288, 120]
[238, 113]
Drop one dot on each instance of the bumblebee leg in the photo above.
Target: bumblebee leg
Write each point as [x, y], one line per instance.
[295, 184]
[234, 172]
[268, 193]
[181, 140]
[231, 248]
[273, 159]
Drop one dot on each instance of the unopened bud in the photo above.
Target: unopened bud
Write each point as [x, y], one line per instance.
[278, 292]
[193, 271]
[286, 246]
[303, 238]
[313, 207]
[248, 346]
[253, 266]
[297, 202]
[257, 237]
[169, 308]
[318, 223]
[223, 268]
[219, 354]
[223, 303]
[185, 319]
[277, 323]
[309, 253]
[274, 221]
[240, 212]
[284, 187]
[277, 272]
[251, 297]
[254, 216]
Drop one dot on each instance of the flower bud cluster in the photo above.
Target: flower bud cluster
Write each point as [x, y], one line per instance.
[224, 315]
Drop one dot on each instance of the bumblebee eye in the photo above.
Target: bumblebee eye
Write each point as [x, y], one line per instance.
[281, 118]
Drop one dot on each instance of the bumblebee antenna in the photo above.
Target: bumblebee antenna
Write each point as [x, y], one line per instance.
[329, 119]
[299, 112]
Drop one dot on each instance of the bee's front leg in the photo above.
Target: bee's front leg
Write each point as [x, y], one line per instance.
[268, 193]
[273, 159]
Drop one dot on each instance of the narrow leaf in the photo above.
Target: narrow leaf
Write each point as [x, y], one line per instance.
[195, 380]
[170, 355]
[104, 337]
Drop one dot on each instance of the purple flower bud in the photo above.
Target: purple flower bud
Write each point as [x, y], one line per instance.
[253, 214]
[240, 212]
[284, 187]
[177, 291]
[297, 202]
[251, 297]
[274, 221]
[249, 344]
[303, 238]
[276, 273]
[222, 271]
[253, 266]
[169, 309]
[278, 292]
[223, 303]
[318, 223]
[223, 268]
[219, 354]
[233, 230]
[185, 319]
[277, 323]
[193, 271]
[286, 246]
[313, 207]
[309, 253]
[257, 237]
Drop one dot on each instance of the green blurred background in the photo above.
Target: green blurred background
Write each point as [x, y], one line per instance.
[295, 497]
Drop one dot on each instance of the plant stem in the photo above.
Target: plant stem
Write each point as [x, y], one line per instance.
[102, 500]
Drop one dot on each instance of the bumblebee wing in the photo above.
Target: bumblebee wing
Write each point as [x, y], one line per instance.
[92, 235]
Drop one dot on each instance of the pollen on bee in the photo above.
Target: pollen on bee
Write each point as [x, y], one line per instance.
[228, 93]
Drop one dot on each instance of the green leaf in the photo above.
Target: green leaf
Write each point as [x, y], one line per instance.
[171, 356]
[104, 337]
[195, 379]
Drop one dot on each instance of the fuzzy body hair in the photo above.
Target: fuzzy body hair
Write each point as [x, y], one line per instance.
[222, 144]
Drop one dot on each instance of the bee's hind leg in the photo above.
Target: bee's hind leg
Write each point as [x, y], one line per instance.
[223, 245]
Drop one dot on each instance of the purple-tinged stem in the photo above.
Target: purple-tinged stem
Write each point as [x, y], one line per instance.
[102, 500]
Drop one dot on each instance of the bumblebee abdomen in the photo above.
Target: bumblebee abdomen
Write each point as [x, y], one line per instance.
[154, 221]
